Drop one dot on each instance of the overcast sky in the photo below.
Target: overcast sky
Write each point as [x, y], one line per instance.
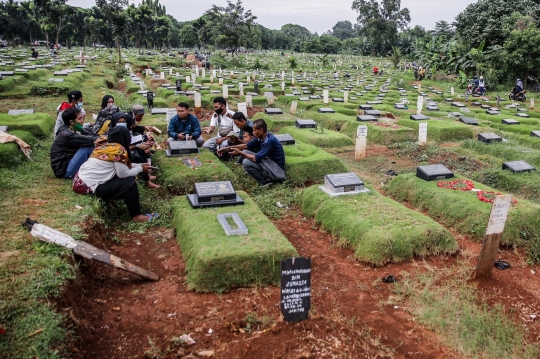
[316, 15]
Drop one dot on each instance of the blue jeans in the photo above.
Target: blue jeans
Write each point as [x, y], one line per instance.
[81, 156]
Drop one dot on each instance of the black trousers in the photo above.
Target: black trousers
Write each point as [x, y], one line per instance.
[121, 188]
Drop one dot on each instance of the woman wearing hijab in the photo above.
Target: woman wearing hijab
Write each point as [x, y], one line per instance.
[138, 154]
[108, 109]
[109, 174]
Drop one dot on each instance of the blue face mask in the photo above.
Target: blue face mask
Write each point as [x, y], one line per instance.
[122, 124]
[79, 105]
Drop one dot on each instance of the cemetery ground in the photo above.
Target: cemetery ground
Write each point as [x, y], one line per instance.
[59, 305]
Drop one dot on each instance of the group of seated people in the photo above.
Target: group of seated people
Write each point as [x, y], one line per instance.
[103, 158]
[236, 137]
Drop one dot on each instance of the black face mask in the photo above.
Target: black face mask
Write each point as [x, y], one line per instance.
[219, 111]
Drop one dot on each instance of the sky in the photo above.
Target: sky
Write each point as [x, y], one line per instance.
[315, 15]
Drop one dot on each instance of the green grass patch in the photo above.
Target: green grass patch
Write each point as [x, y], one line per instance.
[40, 125]
[526, 185]
[464, 212]
[9, 82]
[328, 138]
[10, 153]
[441, 130]
[378, 134]
[276, 122]
[216, 262]
[179, 178]
[306, 163]
[377, 228]
[444, 301]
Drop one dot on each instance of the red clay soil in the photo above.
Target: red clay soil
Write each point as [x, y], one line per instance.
[116, 313]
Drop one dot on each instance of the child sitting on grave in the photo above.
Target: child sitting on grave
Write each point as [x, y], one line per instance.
[109, 174]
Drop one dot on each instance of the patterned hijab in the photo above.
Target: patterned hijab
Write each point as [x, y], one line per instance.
[117, 147]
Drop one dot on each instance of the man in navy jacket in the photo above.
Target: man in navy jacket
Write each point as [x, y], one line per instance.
[184, 126]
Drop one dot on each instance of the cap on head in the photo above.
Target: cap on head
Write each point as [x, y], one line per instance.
[137, 110]
[233, 134]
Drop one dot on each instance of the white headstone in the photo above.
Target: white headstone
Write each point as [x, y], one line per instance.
[249, 101]
[197, 71]
[294, 104]
[197, 98]
[325, 97]
[188, 79]
[242, 107]
[193, 77]
[452, 91]
[162, 75]
[220, 81]
[346, 96]
[419, 105]
[422, 133]
[241, 88]
[225, 90]
[361, 142]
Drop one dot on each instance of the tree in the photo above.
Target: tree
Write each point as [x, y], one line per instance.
[188, 36]
[163, 31]
[443, 28]
[381, 22]
[230, 26]
[343, 30]
[141, 22]
[114, 11]
[53, 12]
[297, 35]
[522, 54]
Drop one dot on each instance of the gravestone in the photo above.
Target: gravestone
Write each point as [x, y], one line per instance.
[314, 97]
[518, 166]
[159, 111]
[468, 120]
[485, 107]
[374, 102]
[399, 106]
[432, 108]
[523, 115]
[458, 104]
[295, 288]
[449, 100]
[273, 111]
[306, 124]
[433, 172]
[366, 107]
[326, 110]
[489, 137]
[491, 112]
[20, 112]
[7, 73]
[303, 99]
[374, 113]
[214, 194]
[343, 184]
[510, 122]
[56, 80]
[179, 148]
[366, 118]
[241, 228]
[4, 128]
[337, 99]
[419, 117]
[285, 139]
[60, 73]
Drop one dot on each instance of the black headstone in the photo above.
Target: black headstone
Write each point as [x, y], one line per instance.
[178, 85]
[433, 172]
[489, 137]
[468, 120]
[366, 118]
[273, 111]
[177, 148]
[518, 166]
[524, 115]
[419, 117]
[399, 106]
[375, 113]
[326, 110]
[214, 194]
[306, 124]
[491, 112]
[432, 108]
[337, 99]
[343, 182]
[295, 289]
[535, 133]
[366, 107]
[510, 122]
[285, 139]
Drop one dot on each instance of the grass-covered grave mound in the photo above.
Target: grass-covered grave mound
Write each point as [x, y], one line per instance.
[463, 211]
[216, 262]
[306, 163]
[441, 130]
[380, 134]
[276, 122]
[180, 178]
[10, 153]
[379, 229]
[327, 139]
[40, 125]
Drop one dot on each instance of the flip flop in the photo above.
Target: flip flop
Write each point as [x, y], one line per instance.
[152, 216]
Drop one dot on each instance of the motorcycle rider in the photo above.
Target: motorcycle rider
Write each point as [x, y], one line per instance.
[481, 86]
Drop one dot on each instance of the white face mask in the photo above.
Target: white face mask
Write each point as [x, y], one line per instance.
[122, 124]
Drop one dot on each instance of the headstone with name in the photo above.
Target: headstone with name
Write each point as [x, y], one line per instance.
[179, 148]
[343, 184]
[422, 133]
[306, 124]
[214, 194]
[326, 110]
[433, 172]
[366, 118]
[361, 142]
[285, 139]
[419, 117]
[518, 166]
[273, 111]
[489, 137]
[295, 289]
[366, 107]
[374, 113]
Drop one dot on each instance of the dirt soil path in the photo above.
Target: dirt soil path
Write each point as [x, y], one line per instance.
[116, 314]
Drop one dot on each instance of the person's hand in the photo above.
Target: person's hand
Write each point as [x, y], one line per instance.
[144, 146]
[189, 138]
[100, 140]
[234, 151]
[181, 136]
[206, 130]
[220, 140]
[146, 168]
[221, 151]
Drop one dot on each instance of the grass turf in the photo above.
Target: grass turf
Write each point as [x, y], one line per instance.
[179, 178]
[377, 228]
[10, 153]
[327, 139]
[40, 125]
[216, 262]
[441, 130]
[464, 212]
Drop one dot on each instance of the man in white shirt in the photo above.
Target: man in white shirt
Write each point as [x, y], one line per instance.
[223, 120]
